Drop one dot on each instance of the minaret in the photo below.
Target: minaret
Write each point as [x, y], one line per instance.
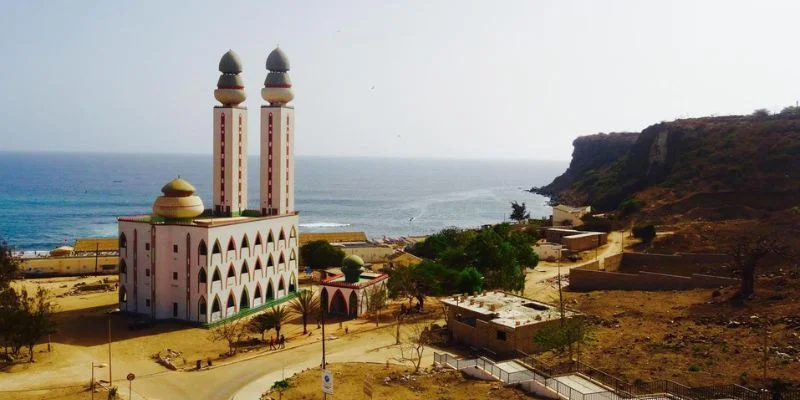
[230, 140]
[277, 138]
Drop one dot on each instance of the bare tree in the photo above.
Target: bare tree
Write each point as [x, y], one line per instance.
[411, 350]
[229, 331]
[377, 298]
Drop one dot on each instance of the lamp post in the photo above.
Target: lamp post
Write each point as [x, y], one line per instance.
[100, 365]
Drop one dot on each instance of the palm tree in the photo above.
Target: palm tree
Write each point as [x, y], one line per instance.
[277, 315]
[305, 304]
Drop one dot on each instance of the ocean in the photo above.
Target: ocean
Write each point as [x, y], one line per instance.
[49, 199]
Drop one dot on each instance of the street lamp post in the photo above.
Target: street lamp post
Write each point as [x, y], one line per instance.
[100, 365]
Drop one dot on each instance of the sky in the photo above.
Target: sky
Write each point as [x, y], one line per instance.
[421, 79]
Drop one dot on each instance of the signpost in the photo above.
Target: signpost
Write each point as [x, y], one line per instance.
[367, 389]
[130, 378]
[327, 382]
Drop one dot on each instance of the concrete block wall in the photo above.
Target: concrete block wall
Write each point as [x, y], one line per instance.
[587, 280]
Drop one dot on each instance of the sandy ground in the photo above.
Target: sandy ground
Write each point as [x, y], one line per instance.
[349, 381]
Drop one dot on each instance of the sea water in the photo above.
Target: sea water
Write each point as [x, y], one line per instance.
[49, 199]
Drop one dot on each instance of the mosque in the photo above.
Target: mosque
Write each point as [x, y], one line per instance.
[190, 263]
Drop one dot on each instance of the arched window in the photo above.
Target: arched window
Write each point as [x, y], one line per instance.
[258, 239]
[292, 256]
[202, 249]
[257, 293]
[281, 285]
[270, 291]
[215, 308]
[123, 268]
[281, 259]
[244, 300]
[201, 306]
[245, 268]
[123, 295]
[282, 236]
[270, 238]
[258, 265]
[231, 301]
[201, 276]
[123, 241]
[293, 233]
[216, 277]
[293, 284]
[270, 262]
[231, 245]
[245, 242]
[231, 272]
[217, 248]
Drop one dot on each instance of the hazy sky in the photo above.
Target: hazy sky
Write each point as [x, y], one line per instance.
[454, 79]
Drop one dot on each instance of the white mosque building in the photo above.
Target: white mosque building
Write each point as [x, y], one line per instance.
[189, 263]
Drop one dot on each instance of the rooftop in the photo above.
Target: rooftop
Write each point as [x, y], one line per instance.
[506, 309]
[333, 237]
[585, 234]
[365, 279]
[567, 208]
[96, 244]
[203, 220]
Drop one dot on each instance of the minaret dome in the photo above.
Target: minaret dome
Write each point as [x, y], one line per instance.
[277, 87]
[230, 86]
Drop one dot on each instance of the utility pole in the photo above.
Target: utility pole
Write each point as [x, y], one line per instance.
[324, 364]
[109, 350]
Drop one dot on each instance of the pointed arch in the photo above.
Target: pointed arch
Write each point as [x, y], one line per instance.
[271, 238]
[281, 285]
[230, 304]
[244, 270]
[292, 255]
[244, 299]
[352, 305]
[245, 245]
[270, 291]
[123, 241]
[216, 277]
[202, 309]
[123, 267]
[216, 309]
[231, 244]
[270, 262]
[123, 294]
[338, 303]
[201, 276]
[281, 259]
[202, 249]
[231, 272]
[258, 267]
[293, 233]
[292, 283]
[257, 296]
[282, 236]
[258, 240]
[217, 249]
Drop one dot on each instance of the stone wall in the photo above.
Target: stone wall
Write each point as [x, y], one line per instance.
[677, 264]
[582, 279]
[613, 262]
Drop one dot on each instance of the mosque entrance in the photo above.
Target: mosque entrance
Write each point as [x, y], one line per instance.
[338, 305]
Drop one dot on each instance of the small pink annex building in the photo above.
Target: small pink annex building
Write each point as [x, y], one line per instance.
[346, 294]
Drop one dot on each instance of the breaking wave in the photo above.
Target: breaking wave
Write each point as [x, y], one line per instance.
[323, 225]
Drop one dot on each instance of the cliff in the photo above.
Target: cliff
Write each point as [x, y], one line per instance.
[745, 162]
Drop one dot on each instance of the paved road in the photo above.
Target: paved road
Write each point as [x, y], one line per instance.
[247, 379]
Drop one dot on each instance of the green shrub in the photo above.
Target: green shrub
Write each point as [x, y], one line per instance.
[694, 368]
[630, 206]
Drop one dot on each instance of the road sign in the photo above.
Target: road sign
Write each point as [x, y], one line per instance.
[131, 376]
[367, 389]
[327, 381]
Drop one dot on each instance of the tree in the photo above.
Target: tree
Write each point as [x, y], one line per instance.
[790, 110]
[413, 347]
[519, 212]
[470, 280]
[748, 251]
[229, 331]
[9, 301]
[278, 315]
[260, 324]
[320, 254]
[36, 318]
[305, 304]
[644, 232]
[376, 297]
[9, 265]
[562, 335]
[761, 112]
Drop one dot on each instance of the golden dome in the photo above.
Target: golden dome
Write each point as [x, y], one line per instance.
[178, 201]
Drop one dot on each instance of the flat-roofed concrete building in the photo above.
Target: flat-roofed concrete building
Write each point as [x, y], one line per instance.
[564, 215]
[499, 322]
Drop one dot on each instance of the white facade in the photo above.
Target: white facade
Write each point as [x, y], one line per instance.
[346, 299]
[230, 160]
[206, 271]
[277, 160]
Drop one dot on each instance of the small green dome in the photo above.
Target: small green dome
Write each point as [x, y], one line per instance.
[178, 187]
[230, 63]
[352, 261]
